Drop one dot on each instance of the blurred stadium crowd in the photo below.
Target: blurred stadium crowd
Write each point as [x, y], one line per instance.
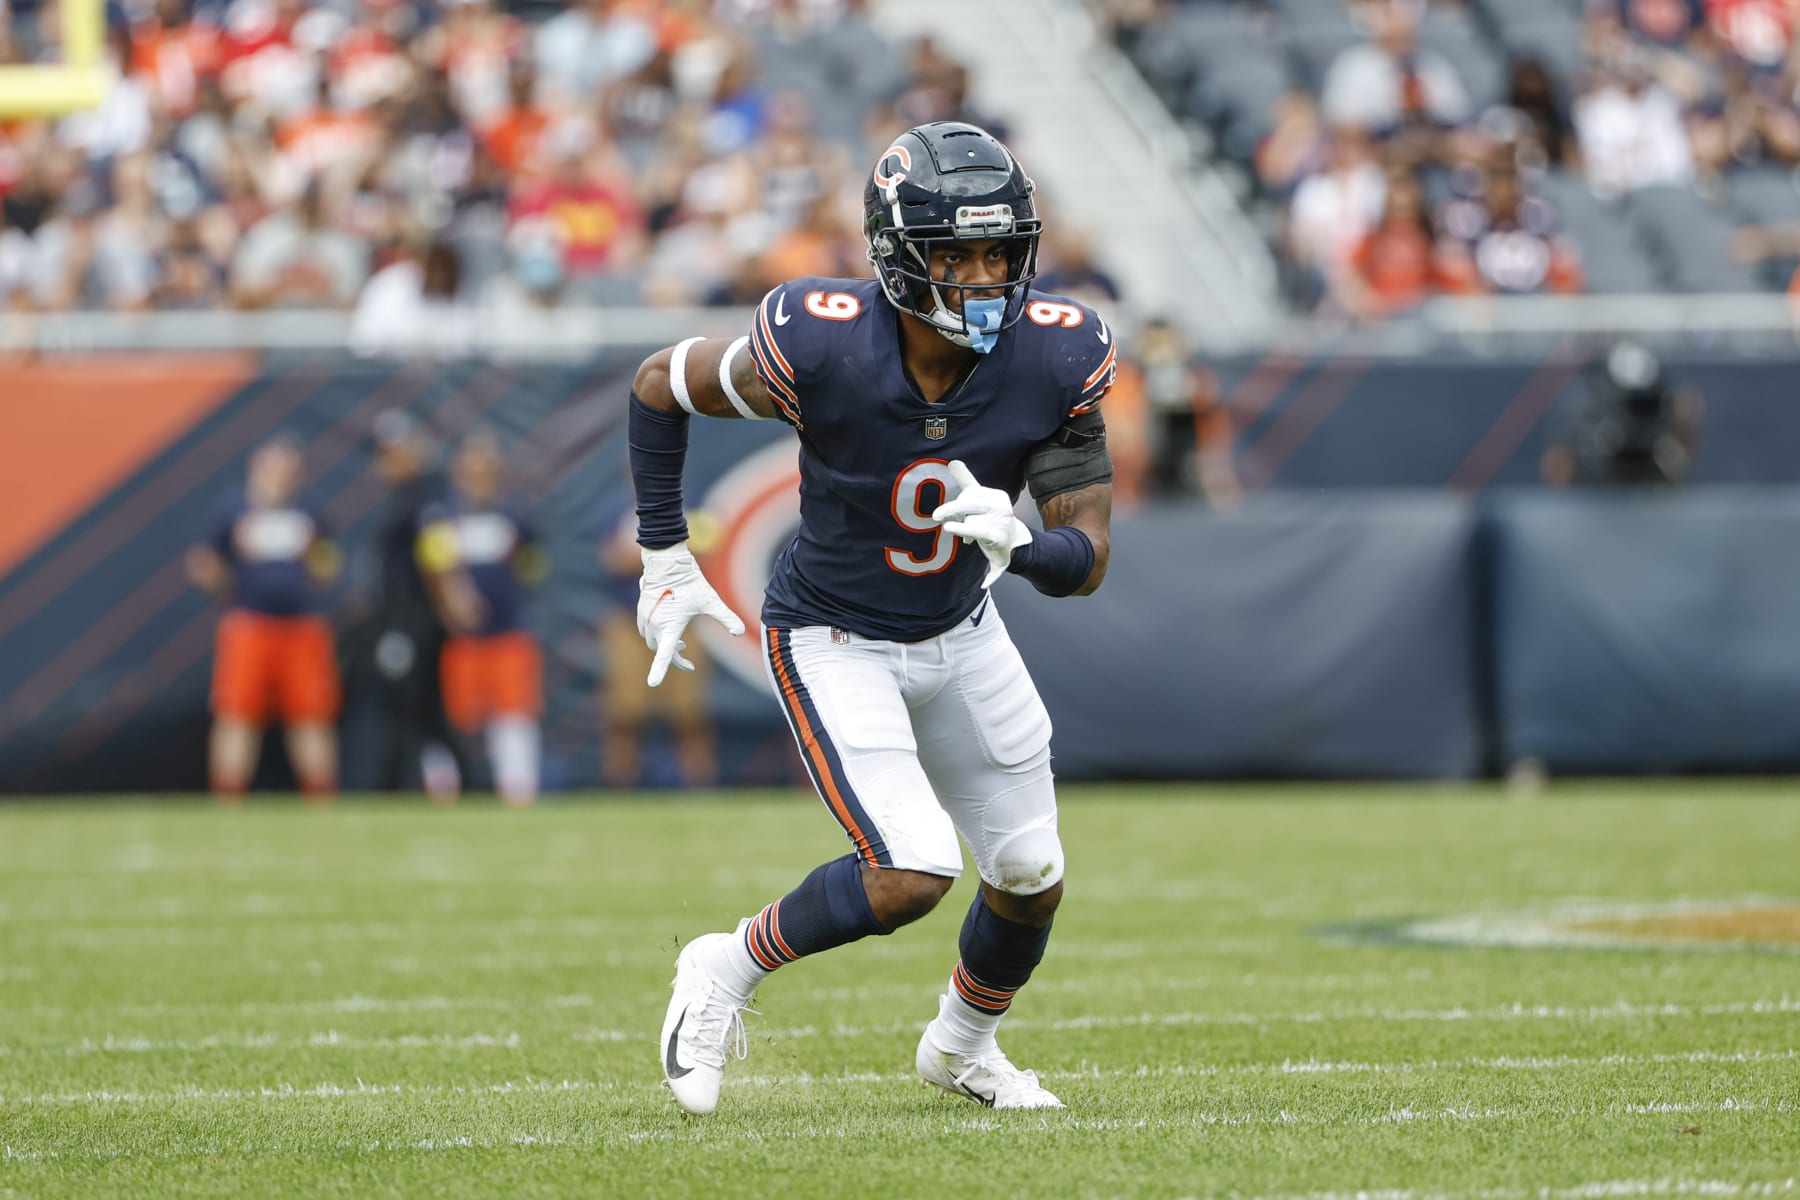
[434, 165]
[1398, 149]
[462, 156]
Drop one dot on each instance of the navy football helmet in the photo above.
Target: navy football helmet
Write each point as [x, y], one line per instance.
[948, 181]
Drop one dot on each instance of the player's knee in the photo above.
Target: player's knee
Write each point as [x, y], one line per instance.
[1029, 863]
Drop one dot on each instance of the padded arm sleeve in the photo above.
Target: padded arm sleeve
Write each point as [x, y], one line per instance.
[1073, 457]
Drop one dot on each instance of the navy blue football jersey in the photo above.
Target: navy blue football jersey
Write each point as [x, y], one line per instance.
[874, 455]
[267, 550]
[487, 541]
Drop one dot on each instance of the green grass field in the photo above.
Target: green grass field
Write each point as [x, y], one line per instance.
[394, 1000]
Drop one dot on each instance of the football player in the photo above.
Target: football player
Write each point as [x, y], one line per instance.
[481, 557]
[267, 557]
[924, 401]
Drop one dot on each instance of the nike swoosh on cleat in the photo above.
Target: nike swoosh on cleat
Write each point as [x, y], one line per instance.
[985, 1101]
[671, 1068]
[781, 317]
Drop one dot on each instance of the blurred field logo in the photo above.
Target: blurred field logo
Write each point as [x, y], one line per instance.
[751, 514]
[1757, 923]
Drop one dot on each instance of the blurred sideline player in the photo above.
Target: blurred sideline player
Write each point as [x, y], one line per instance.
[408, 633]
[267, 556]
[925, 401]
[627, 703]
[480, 557]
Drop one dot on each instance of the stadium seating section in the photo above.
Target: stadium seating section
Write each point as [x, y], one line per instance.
[475, 155]
[1715, 213]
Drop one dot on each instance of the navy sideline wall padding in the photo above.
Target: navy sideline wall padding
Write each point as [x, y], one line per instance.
[1311, 636]
[1648, 633]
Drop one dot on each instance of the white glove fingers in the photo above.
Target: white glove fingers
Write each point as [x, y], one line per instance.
[718, 611]
[659, 667]
[963, 477]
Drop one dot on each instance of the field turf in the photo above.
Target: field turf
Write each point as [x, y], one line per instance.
[393, 1000]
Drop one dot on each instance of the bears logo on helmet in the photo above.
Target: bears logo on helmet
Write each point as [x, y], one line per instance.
[887, 180]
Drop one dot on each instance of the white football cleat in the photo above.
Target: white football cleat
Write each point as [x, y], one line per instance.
[987, 1077]
[702, 1022]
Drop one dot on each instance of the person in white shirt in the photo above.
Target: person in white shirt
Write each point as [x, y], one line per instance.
[1383, 84]
[413, 307]
[1335, 208]
[1631, 132]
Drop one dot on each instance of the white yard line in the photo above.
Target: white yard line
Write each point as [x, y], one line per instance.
[316, 1091]
[334, 1091]
[1608, 1189]
[1619, 1010]
[323, 1039]
[357, 1003]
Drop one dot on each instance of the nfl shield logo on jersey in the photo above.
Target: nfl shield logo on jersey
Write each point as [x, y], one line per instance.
[936, 428]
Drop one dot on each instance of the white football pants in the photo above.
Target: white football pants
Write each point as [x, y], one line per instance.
[911, 743]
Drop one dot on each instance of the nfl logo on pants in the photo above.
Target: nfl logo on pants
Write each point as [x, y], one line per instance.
[936, 428]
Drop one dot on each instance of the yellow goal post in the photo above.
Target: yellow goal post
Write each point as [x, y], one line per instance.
[80, 81]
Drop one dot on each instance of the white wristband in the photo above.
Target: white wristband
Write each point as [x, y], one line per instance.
[678, 376]
[731, 393]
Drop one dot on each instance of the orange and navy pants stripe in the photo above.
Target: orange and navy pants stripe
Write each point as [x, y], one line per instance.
[821, 757]
[977, 994]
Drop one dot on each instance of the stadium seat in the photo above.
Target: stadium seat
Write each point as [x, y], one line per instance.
[1613, 261]
[1238, 98]
[1691, 238]
[1765, 196]
[1505, 14]
[1315, 49]
[1556, 42]
[1768, 196]
[1454, 35]
[1313, 14]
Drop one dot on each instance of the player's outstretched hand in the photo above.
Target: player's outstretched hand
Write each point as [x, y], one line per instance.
[984, 516]
[671, 593]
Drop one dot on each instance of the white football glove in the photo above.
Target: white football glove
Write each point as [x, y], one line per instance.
[984, 516]
[672, 593]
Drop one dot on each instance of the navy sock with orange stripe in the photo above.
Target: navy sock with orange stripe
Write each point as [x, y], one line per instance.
[830, 908]
[998, 957]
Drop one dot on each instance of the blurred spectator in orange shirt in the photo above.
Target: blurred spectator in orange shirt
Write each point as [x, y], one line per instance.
[173, 52]
[323, 137]
[825, 244]
[1398, 263]
[513, 139]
